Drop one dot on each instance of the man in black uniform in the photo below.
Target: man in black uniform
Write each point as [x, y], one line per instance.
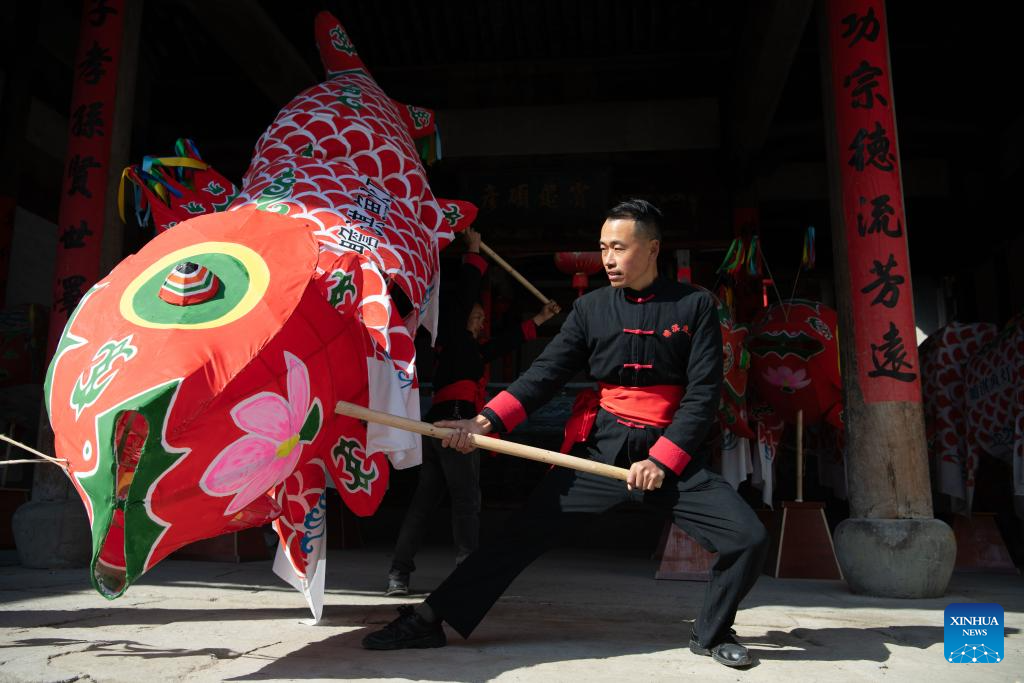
[655, 348]
[457, 394]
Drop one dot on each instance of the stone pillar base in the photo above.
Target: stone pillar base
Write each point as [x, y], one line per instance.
[52, 534]
[896, 558]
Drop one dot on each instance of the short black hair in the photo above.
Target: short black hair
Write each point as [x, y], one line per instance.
[647, 216]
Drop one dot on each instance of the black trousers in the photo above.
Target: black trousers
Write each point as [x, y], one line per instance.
[443, 469]
[702, 504]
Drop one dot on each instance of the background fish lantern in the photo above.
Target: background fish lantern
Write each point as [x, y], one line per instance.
[994, 382]
[944, 357]
[794, 366]
[733, 416]
[192, 391]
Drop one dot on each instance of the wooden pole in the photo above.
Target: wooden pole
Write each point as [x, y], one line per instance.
[514, 273]
[501, 446]
[44, 457]
[800, 456]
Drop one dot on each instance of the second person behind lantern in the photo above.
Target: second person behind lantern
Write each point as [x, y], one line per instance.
[458, 394]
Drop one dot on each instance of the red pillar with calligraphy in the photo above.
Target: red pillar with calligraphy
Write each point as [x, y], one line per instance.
[84, 186]
[891, 545]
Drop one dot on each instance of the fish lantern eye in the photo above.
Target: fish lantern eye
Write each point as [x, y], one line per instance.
[189, 283]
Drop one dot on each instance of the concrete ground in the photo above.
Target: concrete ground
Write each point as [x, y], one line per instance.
[574, 615]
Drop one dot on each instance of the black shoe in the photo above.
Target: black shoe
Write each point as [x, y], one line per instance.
[398, 585]
[408, 630]
[726, 651]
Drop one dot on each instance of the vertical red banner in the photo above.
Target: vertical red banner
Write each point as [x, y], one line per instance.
[872, 196]
[84, 186]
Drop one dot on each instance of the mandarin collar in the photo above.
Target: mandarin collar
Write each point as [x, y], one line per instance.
[645, 294]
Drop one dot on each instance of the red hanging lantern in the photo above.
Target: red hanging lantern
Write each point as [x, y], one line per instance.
[581, 265]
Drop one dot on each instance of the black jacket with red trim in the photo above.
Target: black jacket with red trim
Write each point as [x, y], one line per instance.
[459, 355]
[666, 334]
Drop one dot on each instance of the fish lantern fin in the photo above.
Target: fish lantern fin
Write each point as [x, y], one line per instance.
[422, 126]
[337, 53]
[420, 121]
[458, 214]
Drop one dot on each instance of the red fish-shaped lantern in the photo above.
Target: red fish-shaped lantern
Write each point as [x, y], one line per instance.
[192, 391]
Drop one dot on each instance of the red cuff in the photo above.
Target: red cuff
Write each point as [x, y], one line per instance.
[670, 455]
[529, 329]
[508, 409]
[475, 260]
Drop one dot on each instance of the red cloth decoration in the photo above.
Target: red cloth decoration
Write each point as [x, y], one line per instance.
[670, 455]
[508, 409]
[651, 406]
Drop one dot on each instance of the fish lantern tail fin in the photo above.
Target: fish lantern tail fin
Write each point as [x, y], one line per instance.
[337, 53]
[458, 215]
[420, 121]
[422, 126]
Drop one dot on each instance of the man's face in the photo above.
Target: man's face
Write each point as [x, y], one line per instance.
[629, 259]
[475, 323]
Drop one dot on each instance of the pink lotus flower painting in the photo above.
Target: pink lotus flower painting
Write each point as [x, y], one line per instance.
[786, 379]
[276, 429]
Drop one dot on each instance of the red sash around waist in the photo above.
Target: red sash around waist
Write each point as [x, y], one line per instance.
[634, 406]
[463, 390]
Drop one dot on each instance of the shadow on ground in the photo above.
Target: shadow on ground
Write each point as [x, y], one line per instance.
[161, 616]
[557, 634]
[122, 648]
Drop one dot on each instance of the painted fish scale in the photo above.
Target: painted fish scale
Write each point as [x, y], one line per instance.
[302, 497]
[372, 138]
[398, 240]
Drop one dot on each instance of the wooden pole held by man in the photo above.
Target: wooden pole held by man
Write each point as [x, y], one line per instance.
[487, 442]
